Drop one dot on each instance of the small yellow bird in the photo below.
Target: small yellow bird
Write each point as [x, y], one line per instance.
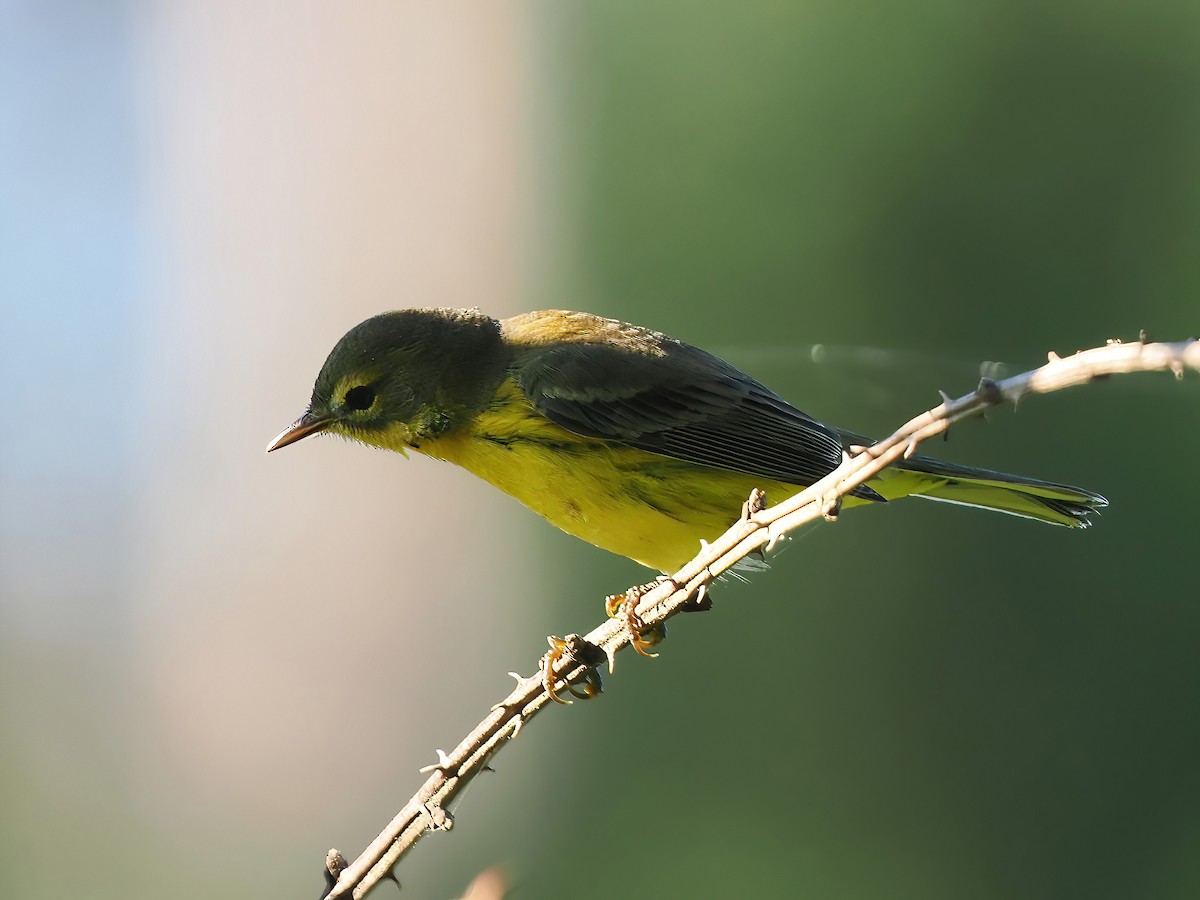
[624, 437]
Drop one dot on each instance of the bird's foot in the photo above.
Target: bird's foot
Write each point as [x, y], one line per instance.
[755, 503]
[831, 506]
[572, 650]
[624, 607]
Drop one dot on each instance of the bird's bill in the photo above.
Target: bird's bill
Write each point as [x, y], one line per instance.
[303, 427]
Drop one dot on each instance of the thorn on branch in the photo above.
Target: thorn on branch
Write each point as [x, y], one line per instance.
[444, 763]
[775, 538]
[702, 602]
[610, 653]
[509, 702]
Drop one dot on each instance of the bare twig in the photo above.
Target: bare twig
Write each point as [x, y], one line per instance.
[757, 530]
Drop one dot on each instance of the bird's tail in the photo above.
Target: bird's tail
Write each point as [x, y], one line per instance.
[933, 479]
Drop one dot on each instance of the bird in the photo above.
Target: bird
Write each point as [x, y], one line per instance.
[634, 441]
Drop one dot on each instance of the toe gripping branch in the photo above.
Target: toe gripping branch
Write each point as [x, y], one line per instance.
[623, 607]
[572, 661]
[564, 656]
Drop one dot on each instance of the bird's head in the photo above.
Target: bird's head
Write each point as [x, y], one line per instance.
[402, 377]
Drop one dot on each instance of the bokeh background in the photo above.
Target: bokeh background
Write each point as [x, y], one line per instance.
[214, 664]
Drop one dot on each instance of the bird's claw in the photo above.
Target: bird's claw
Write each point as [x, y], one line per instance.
[755, 503]
[624, 607]
[574, 649]
[831, 506]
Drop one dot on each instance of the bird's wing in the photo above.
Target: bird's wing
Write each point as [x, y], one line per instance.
[661, 395]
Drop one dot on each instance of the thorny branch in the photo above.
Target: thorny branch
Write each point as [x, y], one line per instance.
[757, 530]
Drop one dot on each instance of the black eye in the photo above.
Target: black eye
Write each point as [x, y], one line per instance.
[358, 398]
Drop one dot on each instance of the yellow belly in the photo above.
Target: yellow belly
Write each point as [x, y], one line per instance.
[645, 507]
[649, 508]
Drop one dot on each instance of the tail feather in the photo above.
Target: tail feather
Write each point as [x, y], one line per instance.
[1045, 501]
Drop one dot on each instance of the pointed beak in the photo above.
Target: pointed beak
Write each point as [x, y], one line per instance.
[303, 427]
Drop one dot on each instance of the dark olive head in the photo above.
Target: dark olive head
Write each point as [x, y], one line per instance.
[403, 377]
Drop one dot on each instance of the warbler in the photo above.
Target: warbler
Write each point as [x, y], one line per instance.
[622, 436]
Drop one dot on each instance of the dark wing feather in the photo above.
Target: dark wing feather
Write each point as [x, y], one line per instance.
[666, 397]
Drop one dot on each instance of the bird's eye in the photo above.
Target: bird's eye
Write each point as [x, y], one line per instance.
[359, 398]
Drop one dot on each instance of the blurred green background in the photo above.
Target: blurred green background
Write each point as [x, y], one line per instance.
[215, 665]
